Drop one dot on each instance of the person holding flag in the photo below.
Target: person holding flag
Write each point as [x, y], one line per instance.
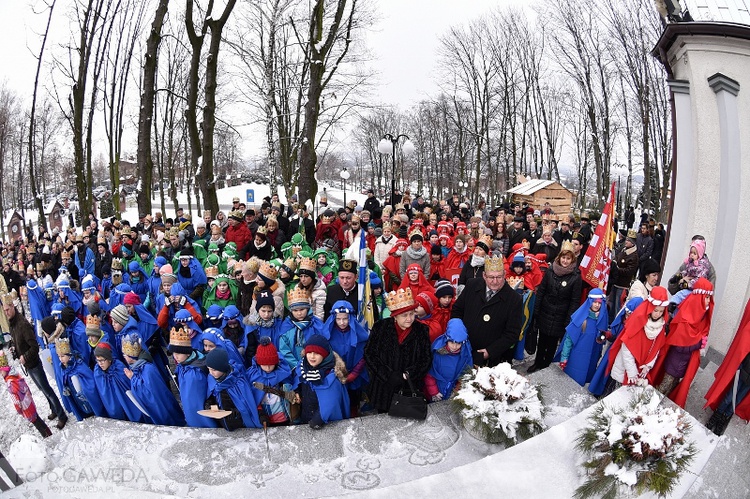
[597, 261]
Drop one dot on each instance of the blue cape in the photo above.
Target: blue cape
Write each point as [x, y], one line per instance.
[112, 385]
[154, 395]
[350, 345]
[214, 336]
[447, 368]
[333, 399]
[87, 401]
[293, 340]
[193, 382]
[239, 389]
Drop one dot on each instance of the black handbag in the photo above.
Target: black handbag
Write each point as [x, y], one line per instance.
[413, 406]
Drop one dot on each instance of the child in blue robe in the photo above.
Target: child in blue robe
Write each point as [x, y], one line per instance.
[192, 377]
[79, 388]
[451, 357]
[268, 374]
[298, 328]
[113, 386]
[231, 391]
[348, 338]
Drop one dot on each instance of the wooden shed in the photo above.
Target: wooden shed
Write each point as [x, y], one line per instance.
[537, 192]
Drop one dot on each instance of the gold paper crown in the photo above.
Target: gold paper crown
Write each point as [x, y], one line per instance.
[179, 336]
[237, 214]
[3, 359]
[212, 272]
[515, 282]
[131, 349]
[10, 298]
[567, 246]
[253, 265]
[386, 225]
[399, 299]
[307, 264]
[62, 346]
[486, 240]
[291, 263]
[494, 263]
[262, 230]
[64, 255]
[116, 264]
[632, 234]
[298, 295]
[416, 231]
[269, 271]
[93, 322]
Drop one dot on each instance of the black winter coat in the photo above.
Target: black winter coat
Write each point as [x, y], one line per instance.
[557, 297]
[387, 360]
[494, 325]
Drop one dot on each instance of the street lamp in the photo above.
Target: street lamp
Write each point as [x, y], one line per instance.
[344, 176]
[387, 145]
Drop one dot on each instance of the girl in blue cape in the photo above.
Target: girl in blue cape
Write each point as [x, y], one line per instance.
[579, 350]
[67, 296]
[184, 318]
[299, 328]
[78, 384]
[212, 338]
[148, 387]
[320, 388]
[214, 316]
[234, 329]
[192, 377]
[113, 386]
[39, 305]
[269, 373]
[348, 338]
[450, 359]
[599, 381]
[231, 391]
[191, 276]
[173, 300]
[137, 279]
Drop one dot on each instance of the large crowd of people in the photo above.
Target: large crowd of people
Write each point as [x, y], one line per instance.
[259, 317]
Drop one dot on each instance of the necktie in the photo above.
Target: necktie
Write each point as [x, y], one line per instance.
[490, 293]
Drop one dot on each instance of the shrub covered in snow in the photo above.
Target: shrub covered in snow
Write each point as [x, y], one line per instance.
[639, 448]
[498, 405]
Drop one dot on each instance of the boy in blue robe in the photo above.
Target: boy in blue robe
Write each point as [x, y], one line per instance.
[348, 338]
[214, 316]
[231, 391]
[451, 358]
[233, 328]
[137, 279]
[321, 392]
[271, 377]
[261, 324]
[113, 386]
[191, 275]
[212, 338]
[299, 327]
[148, 386]
[580, 349]
[192, 377]
[78, 384]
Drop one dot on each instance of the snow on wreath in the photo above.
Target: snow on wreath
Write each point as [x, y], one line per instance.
[498, 405]
[640, 448]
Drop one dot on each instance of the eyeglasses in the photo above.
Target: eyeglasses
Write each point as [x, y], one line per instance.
[494, 277]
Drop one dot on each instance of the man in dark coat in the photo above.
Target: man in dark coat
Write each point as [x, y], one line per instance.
[303, 218]
[492, 313]
[624, 267]
[26, 350]
[371, 203]
[345, 288]
[517, 234]
[645, 244]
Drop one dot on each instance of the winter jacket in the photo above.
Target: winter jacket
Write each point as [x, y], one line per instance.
[410, 256]
[387, 360]
[557, 297]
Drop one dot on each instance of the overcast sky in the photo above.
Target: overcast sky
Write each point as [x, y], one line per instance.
[404, 42]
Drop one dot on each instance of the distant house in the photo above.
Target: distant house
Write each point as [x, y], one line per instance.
[15, 226]
[54, 212]
[536, 192]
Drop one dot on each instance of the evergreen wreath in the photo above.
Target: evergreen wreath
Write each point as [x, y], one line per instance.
[499, 405]
[639, 448]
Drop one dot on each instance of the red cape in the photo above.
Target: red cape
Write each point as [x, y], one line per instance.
[643, 349]
[724, 377]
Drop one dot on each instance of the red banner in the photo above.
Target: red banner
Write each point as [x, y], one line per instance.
[598, 259]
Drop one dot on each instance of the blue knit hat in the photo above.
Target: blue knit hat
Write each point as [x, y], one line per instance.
[318, 344]
[218, 359]
[264, 298]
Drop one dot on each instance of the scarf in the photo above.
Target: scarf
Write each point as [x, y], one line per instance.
[401, 333]
[563, 271]
[653, 328]
[477, 261]
[416, 254]
[386, 241]
[315, 374]
[223, 295]
[263, 323]
[261, 246]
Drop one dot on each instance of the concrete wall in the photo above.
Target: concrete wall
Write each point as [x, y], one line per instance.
[711, 86]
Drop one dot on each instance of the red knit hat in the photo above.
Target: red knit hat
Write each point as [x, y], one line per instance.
[427, 301]
[131, 299]
[266, 354]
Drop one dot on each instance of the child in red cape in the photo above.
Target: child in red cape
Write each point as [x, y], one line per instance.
[688, 334]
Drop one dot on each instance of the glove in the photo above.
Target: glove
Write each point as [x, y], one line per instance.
[704, 342]
[290, 396]
[350, 378]
[644, 369]
[437, 398]
[563, 364]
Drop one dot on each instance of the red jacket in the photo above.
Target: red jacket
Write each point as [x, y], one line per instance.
[239, 235]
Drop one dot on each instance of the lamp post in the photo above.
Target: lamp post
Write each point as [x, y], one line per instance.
[387, 145]
[344, 176]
